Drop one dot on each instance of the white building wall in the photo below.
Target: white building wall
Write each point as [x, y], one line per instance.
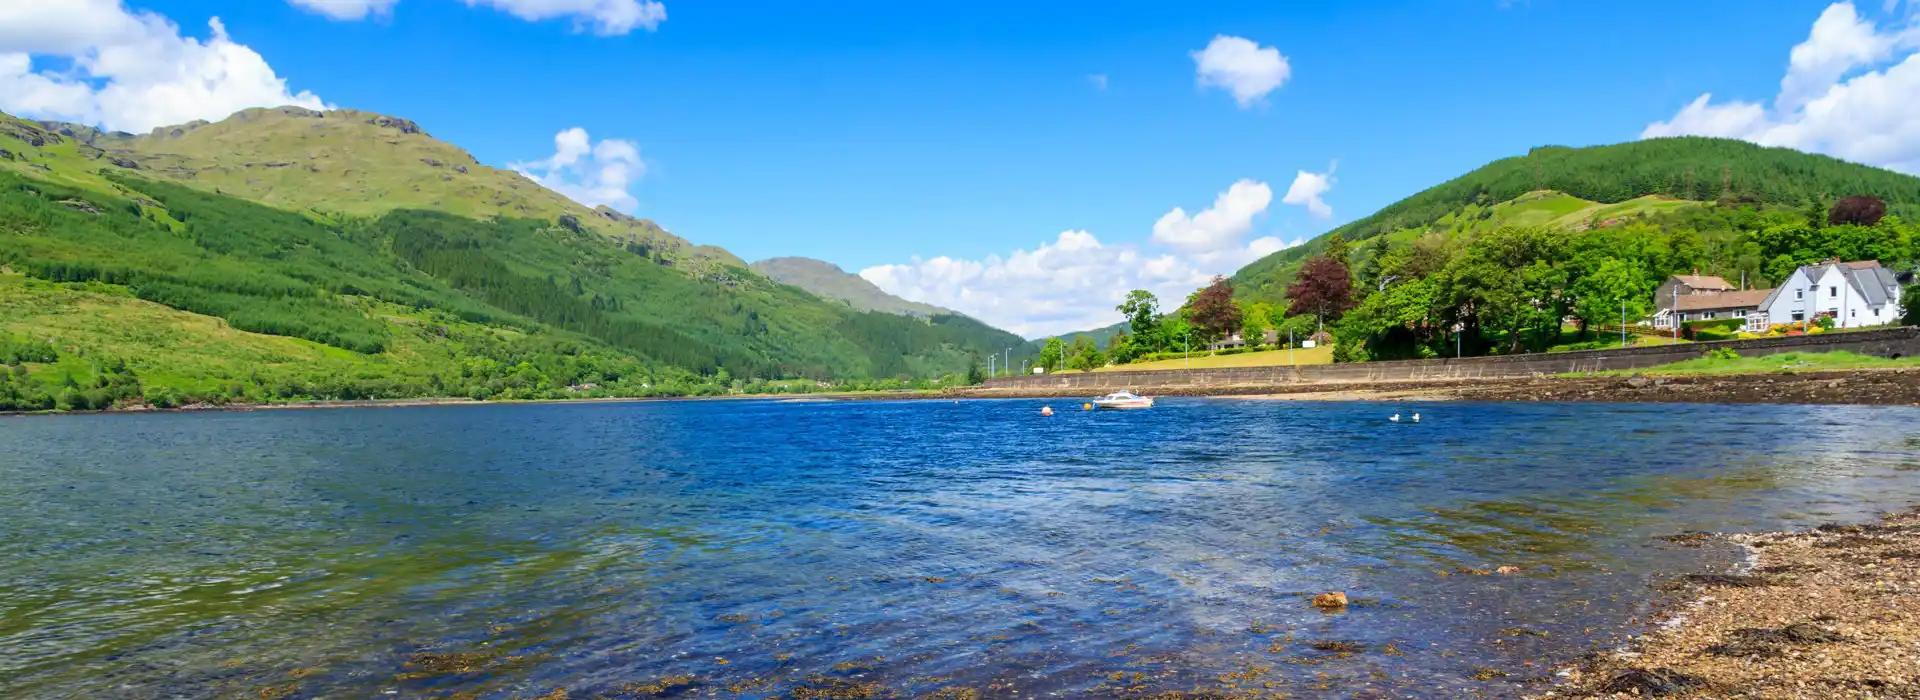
[1829, 293]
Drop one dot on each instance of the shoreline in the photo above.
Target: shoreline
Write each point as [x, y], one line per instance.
[1861, 387]
[1865, 387]
[1831, 611]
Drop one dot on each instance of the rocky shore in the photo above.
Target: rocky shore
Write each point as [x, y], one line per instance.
[1888, 387]
[1832, 612]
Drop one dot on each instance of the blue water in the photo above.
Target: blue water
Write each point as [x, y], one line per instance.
[861, 549]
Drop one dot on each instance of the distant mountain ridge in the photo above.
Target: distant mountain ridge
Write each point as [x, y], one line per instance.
[422, 270]
[828, 281]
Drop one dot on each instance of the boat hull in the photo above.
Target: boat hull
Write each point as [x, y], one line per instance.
[1123, 405]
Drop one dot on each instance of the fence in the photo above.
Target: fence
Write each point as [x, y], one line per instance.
[1890, 342]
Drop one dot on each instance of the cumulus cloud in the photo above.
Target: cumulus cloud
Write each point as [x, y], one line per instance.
[1243, 68]
[347, 10]
[1307, 189]
[1074, 281]
[1219, 226]
[130, 71]
[1849, 91]
[587, 172]
[602, 17]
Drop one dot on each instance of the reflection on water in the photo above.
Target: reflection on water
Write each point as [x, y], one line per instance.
[848, 549]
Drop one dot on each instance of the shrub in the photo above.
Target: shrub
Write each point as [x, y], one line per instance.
[1722, 354]
[1862, 211]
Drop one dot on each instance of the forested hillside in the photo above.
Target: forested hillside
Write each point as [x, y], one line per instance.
[402, 303]
[1689, 168]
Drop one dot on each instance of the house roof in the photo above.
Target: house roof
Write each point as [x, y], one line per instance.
[1745, 299]
[1707, 282]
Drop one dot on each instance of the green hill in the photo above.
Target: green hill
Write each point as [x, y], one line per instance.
[334, 164]
[1627, 174]
[830, 282]
[532, 297]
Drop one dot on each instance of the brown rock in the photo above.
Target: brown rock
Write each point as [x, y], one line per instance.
[1330, 601]
[1507, 570]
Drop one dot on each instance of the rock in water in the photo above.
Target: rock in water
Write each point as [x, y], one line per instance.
[1330, 601]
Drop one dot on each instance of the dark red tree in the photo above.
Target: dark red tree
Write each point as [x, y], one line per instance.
[1214, 311]
[1323, 287]
[1863, 211]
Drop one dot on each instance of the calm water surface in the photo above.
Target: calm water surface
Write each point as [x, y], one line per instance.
[766, 548]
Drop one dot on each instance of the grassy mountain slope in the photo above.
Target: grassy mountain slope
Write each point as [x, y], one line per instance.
[1689, 168]
[500, 306]
[334, 164]
[828, 281]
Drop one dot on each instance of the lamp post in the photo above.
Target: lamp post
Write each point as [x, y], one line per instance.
[992, 368]
[1009, 363]
[1623, 322]
[1186, 347]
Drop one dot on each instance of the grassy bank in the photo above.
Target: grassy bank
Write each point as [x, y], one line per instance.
[1264, 358]
[1784, 362]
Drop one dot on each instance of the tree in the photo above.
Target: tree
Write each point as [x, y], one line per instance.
[1910, 305]
[1600, 294]
[1213, 311]
[1323, 288]
[1085, 355]
[1140, 309]
[1857, 210]
[1338, 249]
[1053, 354]
[1256, 318]
[1121, 348]
[974, 374]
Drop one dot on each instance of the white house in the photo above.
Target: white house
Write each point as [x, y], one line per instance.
[1854, 294]
[1698, 297]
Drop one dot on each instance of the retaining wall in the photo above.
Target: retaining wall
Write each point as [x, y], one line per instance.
[1891, 342]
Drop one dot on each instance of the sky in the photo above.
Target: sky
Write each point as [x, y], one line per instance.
[1023, 162]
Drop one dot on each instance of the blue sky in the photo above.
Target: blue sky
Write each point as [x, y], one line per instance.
[876, 134]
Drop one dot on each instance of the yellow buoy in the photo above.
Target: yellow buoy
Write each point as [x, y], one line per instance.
[1086, 407]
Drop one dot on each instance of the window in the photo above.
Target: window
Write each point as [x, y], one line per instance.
[1853, 313]
[1709, 314]
[1797, 316]
[1798, 295]
[1833, 291]
[1876, 313]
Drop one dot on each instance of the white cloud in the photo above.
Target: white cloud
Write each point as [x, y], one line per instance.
[1219, 226]
[129, 71]
[1849, 91]
[589, 173]
[347, 10]
[1099, 81]
[602, 17]
[1074, 281]
[1247, 70]
[1307, 189]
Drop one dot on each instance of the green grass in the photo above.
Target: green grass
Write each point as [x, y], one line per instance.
[1266, 358]
[1784, 362]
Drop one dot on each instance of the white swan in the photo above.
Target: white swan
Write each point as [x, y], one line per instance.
[1395, 418]
[1416, 417]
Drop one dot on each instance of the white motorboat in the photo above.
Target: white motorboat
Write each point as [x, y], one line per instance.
[1122, 400]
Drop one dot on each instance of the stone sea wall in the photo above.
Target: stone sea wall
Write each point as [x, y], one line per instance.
[1891, 342]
